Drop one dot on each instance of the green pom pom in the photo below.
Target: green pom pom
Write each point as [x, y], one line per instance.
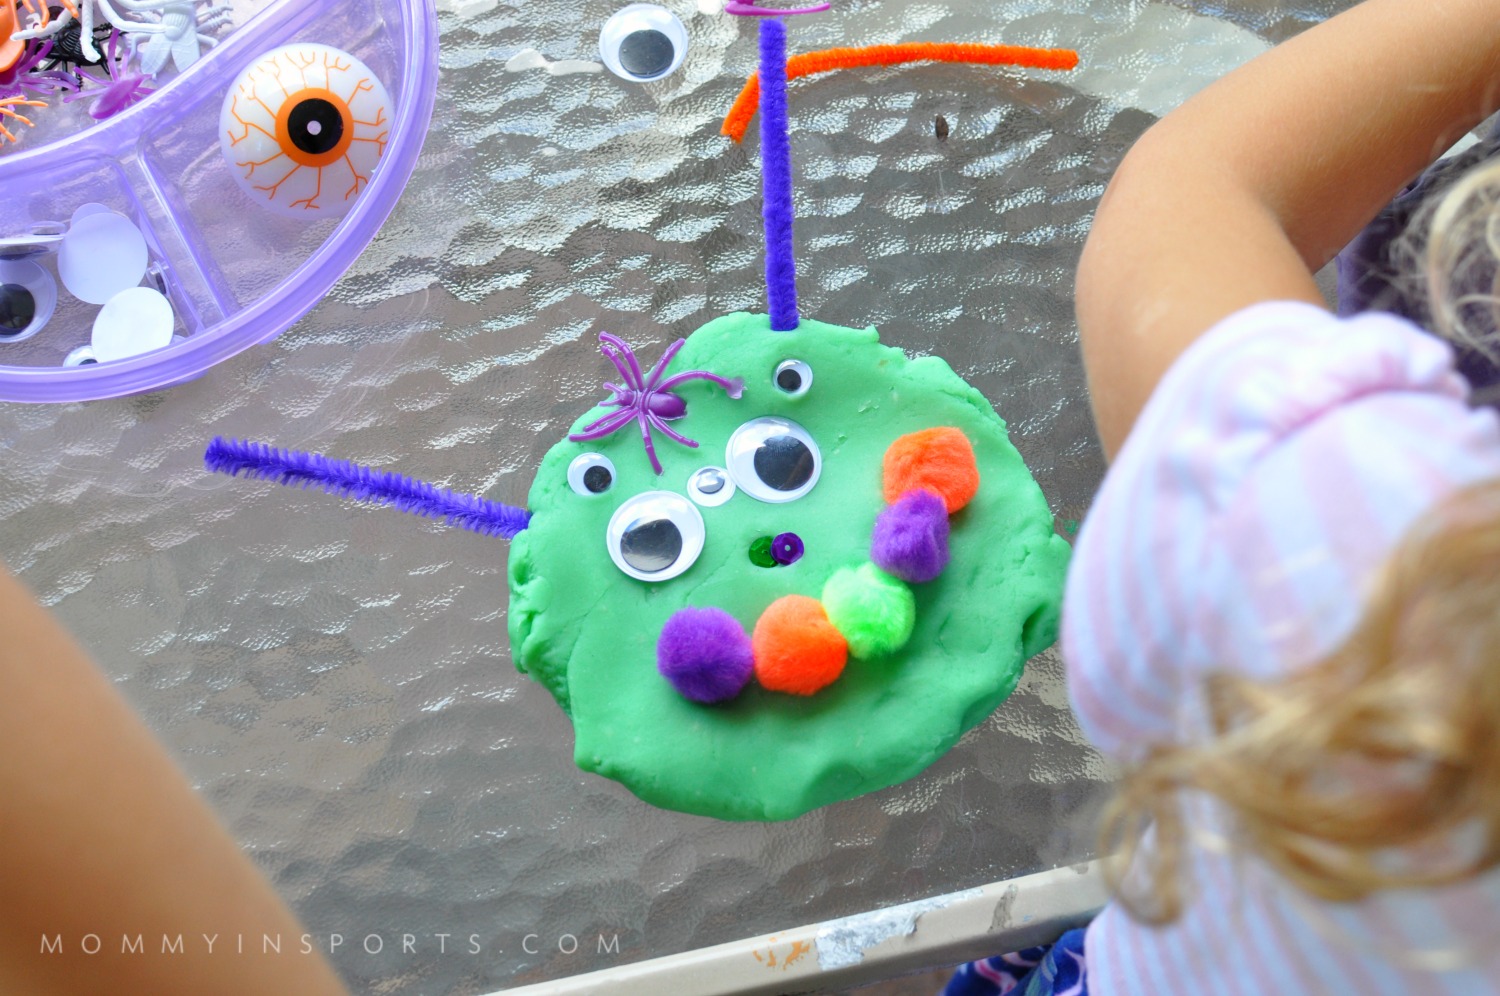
[873, 610]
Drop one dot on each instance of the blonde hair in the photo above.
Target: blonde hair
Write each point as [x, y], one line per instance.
[1377, 767]
[1447, 261]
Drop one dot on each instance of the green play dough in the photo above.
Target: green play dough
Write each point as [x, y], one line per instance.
[873, 610]
[588, 632]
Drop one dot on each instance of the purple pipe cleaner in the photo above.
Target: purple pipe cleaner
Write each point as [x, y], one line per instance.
[646, 399]
[747, 8]
[776, 178]
[350, 480]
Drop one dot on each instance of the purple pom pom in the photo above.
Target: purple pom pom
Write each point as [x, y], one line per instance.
[911, 537]
[705, 654]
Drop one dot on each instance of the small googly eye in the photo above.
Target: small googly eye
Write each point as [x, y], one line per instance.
[793, 377]
[655, 536]
[28, 295]
[591, 474]
[773, 459]
[643, 42]
[710, 487]
[304, 128]
[83, 356]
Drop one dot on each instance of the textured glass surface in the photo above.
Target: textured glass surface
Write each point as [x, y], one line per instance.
[337, 679]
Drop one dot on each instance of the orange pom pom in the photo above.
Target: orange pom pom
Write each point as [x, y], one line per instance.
[940, 460]
[797, 650]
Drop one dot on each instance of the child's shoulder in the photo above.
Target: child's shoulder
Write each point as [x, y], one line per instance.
[1276, 465]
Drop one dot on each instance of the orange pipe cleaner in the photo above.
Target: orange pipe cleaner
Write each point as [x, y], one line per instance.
[826, 61]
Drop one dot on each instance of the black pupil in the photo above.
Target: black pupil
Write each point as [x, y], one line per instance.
[784, 463]
[597, 479]
[84, 363]
[651, 545]
[789, 380]
[315, 125]
[17, 309]
[646, 53]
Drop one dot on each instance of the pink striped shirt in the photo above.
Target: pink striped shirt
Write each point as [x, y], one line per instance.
[1276, 466]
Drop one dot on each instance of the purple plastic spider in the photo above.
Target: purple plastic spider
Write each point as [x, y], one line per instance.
[118, 90]
[647, 400]
[24, 79]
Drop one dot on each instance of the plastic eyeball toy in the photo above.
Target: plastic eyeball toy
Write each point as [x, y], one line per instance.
[643, 42]
[304, 128]
[28, 296]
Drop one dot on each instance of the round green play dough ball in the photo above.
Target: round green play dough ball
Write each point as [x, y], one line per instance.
[588, 631]
[873, 610]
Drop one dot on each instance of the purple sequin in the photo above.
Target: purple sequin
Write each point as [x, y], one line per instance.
[786, 549]
[911, 537]
[647, 399]
[705, 654]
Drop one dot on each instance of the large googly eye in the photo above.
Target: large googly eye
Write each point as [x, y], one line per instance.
[28, 295]
[643, 42]
[591, 474]
[773, 459]
[710, 487]
[793, 377]
[304, 127]
[655, 536]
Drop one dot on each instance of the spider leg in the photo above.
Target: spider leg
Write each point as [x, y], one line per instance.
[658, 423]
[733, 387]
[661, 365]
[630, 356]
[644, 418]
[619, 354]
[141, 6]
[45, 28]
[601, 427]
[86, 33]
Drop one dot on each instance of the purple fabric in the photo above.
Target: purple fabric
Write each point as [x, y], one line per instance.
[911, 537]
[776, 177]
[1367, 273]
[350, 480]
[705, 654]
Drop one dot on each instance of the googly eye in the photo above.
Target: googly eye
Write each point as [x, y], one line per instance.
[28, 295]
[304, 128]
[710, 487]
[591, 474]
[83, 356]
[655, 536]
[773, 459]
[793, 377]
[643, 42]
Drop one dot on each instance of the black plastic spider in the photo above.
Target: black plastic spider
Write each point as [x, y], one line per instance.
[67, 44]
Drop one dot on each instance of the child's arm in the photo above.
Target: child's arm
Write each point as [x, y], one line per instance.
[103, 842]
[1242, 193]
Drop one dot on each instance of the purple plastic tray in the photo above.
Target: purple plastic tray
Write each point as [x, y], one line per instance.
[237, 274]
